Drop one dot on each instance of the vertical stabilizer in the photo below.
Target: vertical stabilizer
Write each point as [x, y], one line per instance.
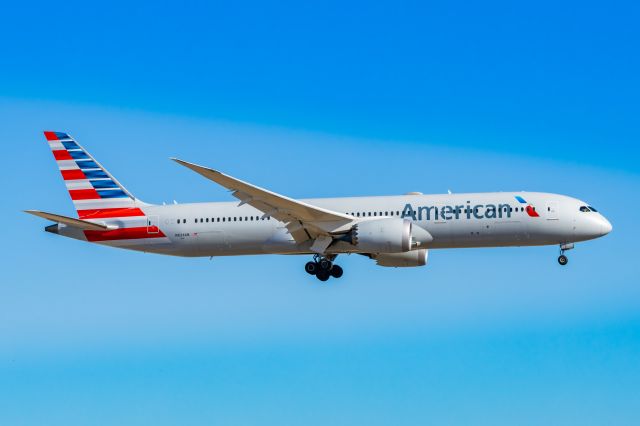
[95, 193]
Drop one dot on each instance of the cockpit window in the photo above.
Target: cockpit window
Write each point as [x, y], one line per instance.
[584, 208]
[592, 209]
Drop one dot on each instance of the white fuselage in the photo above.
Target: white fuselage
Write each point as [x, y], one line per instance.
[454, 220]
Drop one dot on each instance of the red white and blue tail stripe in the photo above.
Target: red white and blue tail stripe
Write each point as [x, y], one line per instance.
[94, 191]
[99, 198]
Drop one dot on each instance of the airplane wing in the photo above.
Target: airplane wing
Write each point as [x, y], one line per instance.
[304, 221]
[78, 223]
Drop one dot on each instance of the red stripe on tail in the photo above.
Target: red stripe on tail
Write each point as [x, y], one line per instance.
[62, 154]
[72, 174]
[51, 136]
[107, 213]
[84, 194]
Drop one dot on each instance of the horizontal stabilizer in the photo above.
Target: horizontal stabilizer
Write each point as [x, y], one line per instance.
[77, 223]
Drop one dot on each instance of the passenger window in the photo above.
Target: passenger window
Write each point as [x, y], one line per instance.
[207, 220]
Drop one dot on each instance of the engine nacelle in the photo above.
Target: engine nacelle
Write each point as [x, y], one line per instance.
[402, 260]
[390, 235]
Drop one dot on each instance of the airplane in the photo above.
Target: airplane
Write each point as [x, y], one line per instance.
[394, 231]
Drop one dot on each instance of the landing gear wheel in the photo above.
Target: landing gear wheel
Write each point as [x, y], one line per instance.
[325, 264]
[336, 271]
[311, 268]
[323, 274]
[563, 260]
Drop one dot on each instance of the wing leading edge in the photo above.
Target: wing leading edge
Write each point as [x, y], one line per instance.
[303, 221]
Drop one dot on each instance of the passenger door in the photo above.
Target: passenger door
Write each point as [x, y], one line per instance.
[552, 210]
[153, 224]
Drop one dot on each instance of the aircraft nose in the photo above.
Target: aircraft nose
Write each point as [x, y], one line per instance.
[591, 226]
[605, 227]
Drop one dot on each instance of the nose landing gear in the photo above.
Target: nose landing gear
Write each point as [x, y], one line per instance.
[323, 268]
[562, 259]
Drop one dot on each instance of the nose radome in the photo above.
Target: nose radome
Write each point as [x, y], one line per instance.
[606, 227]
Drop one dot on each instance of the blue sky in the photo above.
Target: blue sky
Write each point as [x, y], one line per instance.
[322, 100]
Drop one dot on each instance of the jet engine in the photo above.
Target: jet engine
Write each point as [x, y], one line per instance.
[389, 235]
[402, 260]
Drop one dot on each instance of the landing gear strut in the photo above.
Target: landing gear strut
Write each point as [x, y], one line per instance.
[562, 259]
[323, 268]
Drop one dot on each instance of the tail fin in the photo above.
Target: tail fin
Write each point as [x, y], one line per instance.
[94, 191]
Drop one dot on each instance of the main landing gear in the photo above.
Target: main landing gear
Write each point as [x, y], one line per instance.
[562, 259]
[323, 268]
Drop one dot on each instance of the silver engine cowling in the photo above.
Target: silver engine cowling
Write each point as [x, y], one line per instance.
[402, 260]
[388, 235]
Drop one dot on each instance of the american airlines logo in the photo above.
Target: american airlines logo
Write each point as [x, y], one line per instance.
[531, 211]
[468, 211]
